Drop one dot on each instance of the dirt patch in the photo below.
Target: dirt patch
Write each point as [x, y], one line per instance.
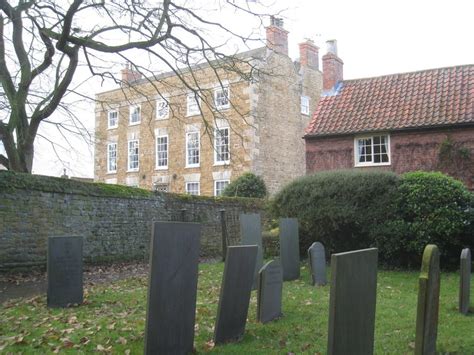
[31, 283]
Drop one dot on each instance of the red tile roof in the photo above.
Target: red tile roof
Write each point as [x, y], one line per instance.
[428, 98]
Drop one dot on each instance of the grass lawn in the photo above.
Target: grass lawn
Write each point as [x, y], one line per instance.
[113, 319]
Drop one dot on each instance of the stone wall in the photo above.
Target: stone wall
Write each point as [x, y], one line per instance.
[115, 221]
[450, 151]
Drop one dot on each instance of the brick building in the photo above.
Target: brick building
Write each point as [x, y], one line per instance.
[176, 141]
[402, 122]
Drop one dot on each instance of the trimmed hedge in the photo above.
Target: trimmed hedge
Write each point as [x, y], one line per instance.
[353, 209]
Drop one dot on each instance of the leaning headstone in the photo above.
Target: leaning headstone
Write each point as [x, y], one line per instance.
[317, 263]
[465, 282]
[428, 302]
[289, 248]
[251, 234]
[64, 269]
[270, 286]
[235, 293]
[352, 302]
[172, 288]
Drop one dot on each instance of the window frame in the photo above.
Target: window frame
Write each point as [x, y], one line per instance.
[116, 119]
[109, 160]
[162, 167]
[227, 181]
[162, 100]
[306, 107]
[129, 169]
[197, 99]
[371, 163]
[193, 165]
[221, 89]
[132, 107]
[192, 183]
[216, 153]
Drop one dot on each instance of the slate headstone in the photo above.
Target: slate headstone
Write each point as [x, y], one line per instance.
[251, 234]
[270, 285]
[172, 288]
[428, 302]
[317, 263]
[235, 293]
[465, 281]
[352, 302]
[64, 269]
[289, 248]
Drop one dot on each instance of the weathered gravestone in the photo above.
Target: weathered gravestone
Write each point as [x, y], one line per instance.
[64, 269]
[174, 256]
[465, 282]
[352, 302]
[270, 286]
[251, 234]
[428, 302]
[235, 293]
[289, 248]
[317, 263]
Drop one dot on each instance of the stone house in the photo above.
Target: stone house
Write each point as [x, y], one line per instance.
[403, 122]
[196, 142]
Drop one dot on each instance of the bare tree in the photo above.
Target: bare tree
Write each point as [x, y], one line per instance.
[43, 45]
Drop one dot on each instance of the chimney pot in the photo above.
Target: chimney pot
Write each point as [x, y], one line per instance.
[277, 36]
[129, 75]
[332, 67]
[309, 54]
[331, 46]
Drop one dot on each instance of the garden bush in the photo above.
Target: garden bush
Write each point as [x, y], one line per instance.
[246, 185]
[341, 209]
[431, 208]
[352, 209]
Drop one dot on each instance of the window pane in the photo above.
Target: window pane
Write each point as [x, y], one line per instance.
[133, 155]
[220, 186]
[222, 145]
[192, 148]
[221, 97]
[112, 157]
[135, 114]
[192, 188]
[162, 109]
[162, 151]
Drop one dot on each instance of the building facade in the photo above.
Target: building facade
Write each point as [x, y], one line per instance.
[402, 122]
[159, 134]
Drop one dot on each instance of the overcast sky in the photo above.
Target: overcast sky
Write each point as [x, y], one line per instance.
[375, 37]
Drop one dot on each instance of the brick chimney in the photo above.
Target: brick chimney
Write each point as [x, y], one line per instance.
[309, 54]
[277, 36]
[332, 67]
[129, 75]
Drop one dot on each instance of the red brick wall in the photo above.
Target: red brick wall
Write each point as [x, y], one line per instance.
[409, 151]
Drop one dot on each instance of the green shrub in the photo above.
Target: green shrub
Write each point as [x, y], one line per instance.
[341, 209]
[347, 210]
[246, 185]
[432, 208]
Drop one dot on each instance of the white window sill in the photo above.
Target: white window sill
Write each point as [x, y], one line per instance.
[222, 108]
[220, 163]
[305, 114]
[161, 168]
[113, 127]
[362, 165]
[111, 172]
[133, 170]
[162, 118]
[134, 123]
[192, 166]
[192, 114]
